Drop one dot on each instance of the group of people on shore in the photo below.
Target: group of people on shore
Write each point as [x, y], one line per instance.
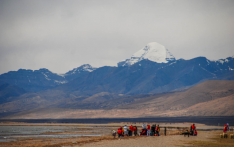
[146, 130]
[125, 131]
[192, 132]
[154, 130]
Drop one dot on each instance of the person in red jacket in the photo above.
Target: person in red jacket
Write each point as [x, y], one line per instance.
[120, 132]
[193, 127]
[148, 130]
[157, 129]
[135, 130]
[225, 128]
[131, 130]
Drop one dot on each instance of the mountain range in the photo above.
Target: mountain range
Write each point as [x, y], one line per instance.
[153, 70]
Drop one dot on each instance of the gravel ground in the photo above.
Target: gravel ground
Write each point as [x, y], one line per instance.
[161, 141]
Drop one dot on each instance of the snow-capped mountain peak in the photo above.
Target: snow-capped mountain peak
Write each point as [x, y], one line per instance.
[85, 67]
[152, 51]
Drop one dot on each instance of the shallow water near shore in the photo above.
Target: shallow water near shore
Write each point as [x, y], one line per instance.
[7, 140]
[9, 130]
[9, 133]
[53, 136]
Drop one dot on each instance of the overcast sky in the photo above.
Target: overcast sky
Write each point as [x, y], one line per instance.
[62, 35]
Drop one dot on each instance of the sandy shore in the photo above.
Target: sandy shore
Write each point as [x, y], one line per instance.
[161, 141]
[106, 140]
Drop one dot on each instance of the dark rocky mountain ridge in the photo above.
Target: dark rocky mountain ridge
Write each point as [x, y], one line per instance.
[42, 79]
[150, 77]
[142, 77]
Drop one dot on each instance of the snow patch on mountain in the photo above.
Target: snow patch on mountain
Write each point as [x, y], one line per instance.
[85, 67]
[152, 51]
[230, 68]
[60, 82]
[88, 68]
[46, 76]
[222, 61]
[61, 75]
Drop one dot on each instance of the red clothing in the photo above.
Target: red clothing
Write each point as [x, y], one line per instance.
[148, 127]
[193, 127]
[131, 128]
[119, 131]
[195, 133]
[156, 129]
[134, 128]
[225, 128]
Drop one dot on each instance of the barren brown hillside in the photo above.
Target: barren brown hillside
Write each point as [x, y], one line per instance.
[211, 98]
[203, 92]
[218, 107]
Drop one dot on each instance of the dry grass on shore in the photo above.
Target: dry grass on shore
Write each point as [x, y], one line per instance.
[214, 142]
[89, 140]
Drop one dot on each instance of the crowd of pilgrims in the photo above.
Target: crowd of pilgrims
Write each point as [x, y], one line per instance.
[146, 130]
[154, 130]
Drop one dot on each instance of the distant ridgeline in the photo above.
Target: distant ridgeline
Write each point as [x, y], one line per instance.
[152, 69]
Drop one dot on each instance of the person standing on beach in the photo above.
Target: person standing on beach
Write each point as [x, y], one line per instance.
[193, 128]
[131, 130]
[135, 130]
[228, 126]
[120, 132]
[125, 130]
[158, 130]
[225, 129]
[153, 129]
[148, 130]
[114, 133]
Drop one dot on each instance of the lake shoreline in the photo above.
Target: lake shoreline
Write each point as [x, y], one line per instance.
[208, 120]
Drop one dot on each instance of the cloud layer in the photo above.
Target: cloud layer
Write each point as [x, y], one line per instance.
[62, 35]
